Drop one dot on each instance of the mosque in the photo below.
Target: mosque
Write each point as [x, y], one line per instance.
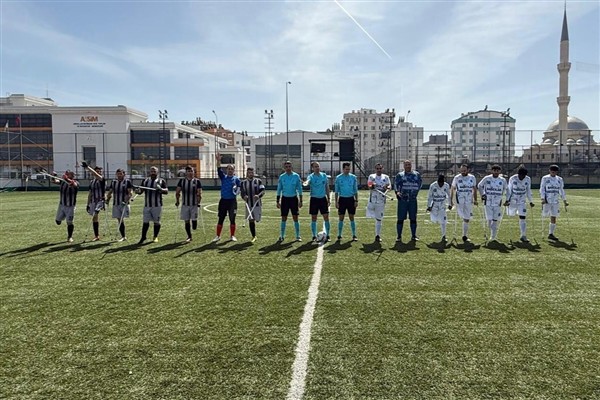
[567, 141]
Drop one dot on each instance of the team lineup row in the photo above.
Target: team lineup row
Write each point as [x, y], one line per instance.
[497, 195]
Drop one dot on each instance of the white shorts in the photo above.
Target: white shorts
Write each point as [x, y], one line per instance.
[65, 212]
[189, 213]
[517, 209]
[256, 213]
[438, 214]
[464, 210]
[96, 207]
[119, 210]
[551, 210]
[493, 213]
[152, 214]
[375, 210]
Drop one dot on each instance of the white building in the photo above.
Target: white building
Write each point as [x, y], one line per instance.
[486, 136]
[40, 134]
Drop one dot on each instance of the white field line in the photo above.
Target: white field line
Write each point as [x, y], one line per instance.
[300, 367]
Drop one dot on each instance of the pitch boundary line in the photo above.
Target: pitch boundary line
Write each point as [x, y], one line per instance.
[300, 366]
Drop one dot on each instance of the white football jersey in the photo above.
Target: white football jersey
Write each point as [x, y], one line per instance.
[552, 189]
[464, 186]
[519, 190]
[438, 196]
[493, 189]
[379, 182]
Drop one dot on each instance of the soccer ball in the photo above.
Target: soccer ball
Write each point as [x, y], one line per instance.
[321, 236]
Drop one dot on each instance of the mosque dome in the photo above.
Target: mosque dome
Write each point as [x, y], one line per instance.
[573, 124]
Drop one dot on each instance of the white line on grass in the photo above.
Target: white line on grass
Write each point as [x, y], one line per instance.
[299, 369]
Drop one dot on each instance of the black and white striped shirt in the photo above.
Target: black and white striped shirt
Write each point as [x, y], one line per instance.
[250, 188]
[189, 190]
[68, 194]
[120, 190]
[153, 197]
[97, 189]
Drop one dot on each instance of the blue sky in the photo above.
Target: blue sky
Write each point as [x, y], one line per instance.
[439, 58]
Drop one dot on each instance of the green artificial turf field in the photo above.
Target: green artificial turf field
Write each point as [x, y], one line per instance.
[108, 320]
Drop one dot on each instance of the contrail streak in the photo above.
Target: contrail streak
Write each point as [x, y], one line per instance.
[363, 29]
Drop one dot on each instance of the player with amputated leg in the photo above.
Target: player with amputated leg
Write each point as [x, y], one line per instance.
[438, 201]
[378, 184]
[518, 192]
[552, 191]
[190, 188]
[252, 191]
[68, 200]
[463, 196]
[492, 188]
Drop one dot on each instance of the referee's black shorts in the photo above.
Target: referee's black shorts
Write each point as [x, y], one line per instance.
[318, 205]
[227, 206]
[347, 204]
[289, 204]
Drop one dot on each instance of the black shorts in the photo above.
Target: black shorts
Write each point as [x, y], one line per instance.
[227, 206]
[318, 205]
[347, 204]
[289, 204]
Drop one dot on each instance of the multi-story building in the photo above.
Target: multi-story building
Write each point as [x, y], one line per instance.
[377, 136]
[38, 133]
[484, 136]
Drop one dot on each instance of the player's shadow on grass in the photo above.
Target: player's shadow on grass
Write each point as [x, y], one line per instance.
[440, 246]
[68, 246]
[563, 245]
[166, 247]
[308, 246]
[129, 247]
[402, 247]
[205, 247]
[94, 246]
[338, 246]
[533, 247]
[277, 246]
[374, 247]
[467, 247]
[499, 247]
[27, 250]
[238, 247]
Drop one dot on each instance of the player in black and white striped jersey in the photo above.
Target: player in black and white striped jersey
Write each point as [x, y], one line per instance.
[252, 190]
[96, 193]
[191, 190]
[154, 188]
[121, 187]
[68, 199]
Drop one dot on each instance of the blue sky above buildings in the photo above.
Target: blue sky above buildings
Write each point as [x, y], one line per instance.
[234, 57]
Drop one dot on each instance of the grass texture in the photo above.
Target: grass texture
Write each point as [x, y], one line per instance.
[108, 320]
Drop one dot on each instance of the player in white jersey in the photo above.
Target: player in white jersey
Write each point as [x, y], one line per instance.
[378, 183]
[492, 188]
[518, 193]
[438, 200]
[464, 195]
[552, 190]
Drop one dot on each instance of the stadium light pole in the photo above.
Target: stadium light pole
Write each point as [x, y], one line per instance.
[163, 115]
[287, 124]
[216, 136]
[505, 114]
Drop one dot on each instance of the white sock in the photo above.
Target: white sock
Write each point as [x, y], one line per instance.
[494, 228]
[465, 228]
[444, 228]
[552, 228]
[523, 226]
[378, 223]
